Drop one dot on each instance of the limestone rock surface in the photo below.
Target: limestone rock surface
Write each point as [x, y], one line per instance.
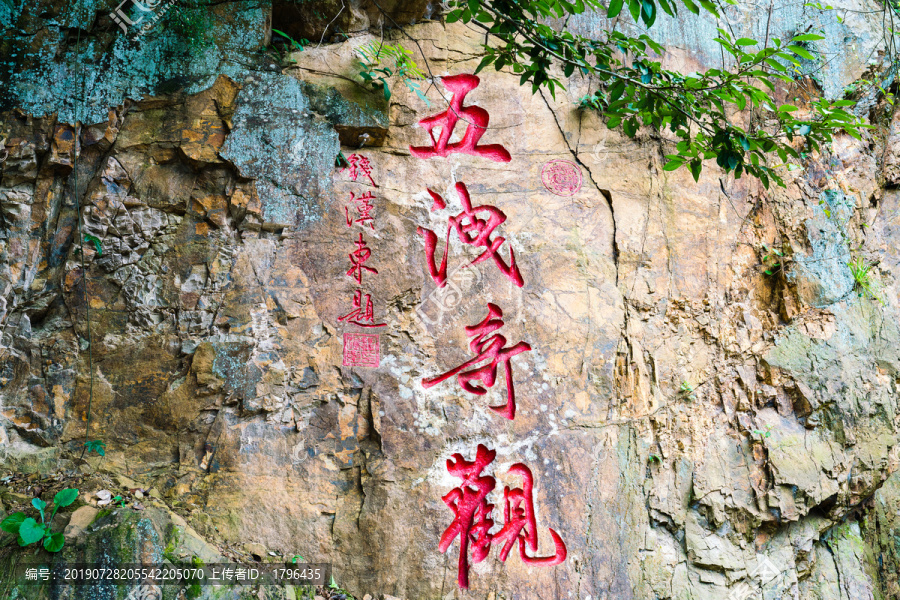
[175, 281]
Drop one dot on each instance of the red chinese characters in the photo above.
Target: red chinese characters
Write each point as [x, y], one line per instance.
[520, 524]
[490, 349]
[474, 226]
[359, 165]
[363, 209]
[362, 313]
[471, 512]
[360, 349]
[476, 119]
[358, 259]
[472, 520]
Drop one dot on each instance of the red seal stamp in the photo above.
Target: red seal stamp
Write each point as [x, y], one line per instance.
[361, 350]
[561, 177]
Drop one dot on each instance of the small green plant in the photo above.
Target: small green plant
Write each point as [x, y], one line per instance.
[29, 531]
[772, 260]
[687, 390]
[763, 434]
[654, 458]
[856, 86]
[191, 22]
[376, 71]
[598, 101]
[90, 239]
[281, 49]
[863, 282]
[98, 446]
[825, 208]
[119, 500]
[338, 590]
[297, 558]
[301, 45]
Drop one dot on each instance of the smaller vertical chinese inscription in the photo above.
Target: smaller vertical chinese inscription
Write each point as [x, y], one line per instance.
[360, 349]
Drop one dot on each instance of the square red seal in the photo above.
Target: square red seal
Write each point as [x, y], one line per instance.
[361, 349]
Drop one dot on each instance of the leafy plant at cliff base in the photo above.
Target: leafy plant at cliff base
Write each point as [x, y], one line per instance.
[98, 446]
[636, 91]
[337, 591]
[375, 71]
[281, 55]
[29, 531]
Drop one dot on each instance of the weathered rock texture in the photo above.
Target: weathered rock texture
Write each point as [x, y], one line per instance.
[696, 426]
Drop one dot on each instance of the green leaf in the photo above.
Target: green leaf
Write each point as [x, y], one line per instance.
[65, 497]
[615, 7]
[630, 127]
[99, 446]
[709, 6]
[789, 57]
[648, 12]
[12, 523]
[669, 9]
[54, 543]
[30, 532]
[695, 166]
[746, 42]
[673, 164]
[802, 52]
[635, 7]
[808, 37]
[485, 62]
[424, 99]
[39, 504]
[454, 15]
[96, 242]
[787, 108]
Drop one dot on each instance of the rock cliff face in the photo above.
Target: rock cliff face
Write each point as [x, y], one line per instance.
[708, 407]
